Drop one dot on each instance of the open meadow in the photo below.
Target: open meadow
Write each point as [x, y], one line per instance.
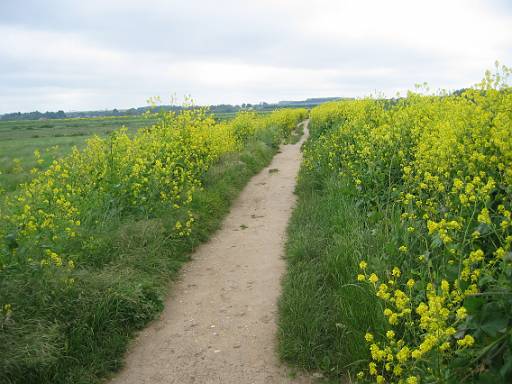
[19, 140]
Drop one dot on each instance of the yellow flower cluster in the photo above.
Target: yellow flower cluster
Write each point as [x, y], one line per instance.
[160, 165]
[446, 160]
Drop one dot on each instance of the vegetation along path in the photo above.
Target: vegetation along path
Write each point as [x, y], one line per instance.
[218, 325]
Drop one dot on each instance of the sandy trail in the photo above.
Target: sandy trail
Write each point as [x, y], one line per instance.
[219, 322]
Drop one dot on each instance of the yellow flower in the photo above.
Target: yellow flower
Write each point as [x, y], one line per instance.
[363, 265]
[445, 346]
[462, 313]
[467, 341]
[403, 354]
[445, 286]
[7, 309]
[383, 291]
[432, 226]
[500, 253]
[484, 217]
[372, 368]
[373, 278]
[368, 337]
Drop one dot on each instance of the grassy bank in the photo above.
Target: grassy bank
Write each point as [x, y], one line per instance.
[321, 311]
[73, 326]
[400, 248]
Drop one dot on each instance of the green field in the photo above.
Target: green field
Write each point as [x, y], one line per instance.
[53, 138]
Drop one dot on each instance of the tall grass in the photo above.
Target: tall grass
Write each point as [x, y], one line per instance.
[322, 312]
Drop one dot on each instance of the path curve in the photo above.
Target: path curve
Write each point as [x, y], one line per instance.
[219, 322]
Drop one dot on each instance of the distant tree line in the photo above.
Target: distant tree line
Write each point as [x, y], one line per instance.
[216, 109]
[223, 108]
[34, 115]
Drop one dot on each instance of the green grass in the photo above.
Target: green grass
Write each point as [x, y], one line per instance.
[53, 138]
[296, 135]
[323, 314]
[79, 336]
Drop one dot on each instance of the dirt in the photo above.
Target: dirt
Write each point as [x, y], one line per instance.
[219, 322]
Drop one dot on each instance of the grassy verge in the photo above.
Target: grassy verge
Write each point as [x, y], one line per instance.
[323, 315]
[81, 336]
[296, 134]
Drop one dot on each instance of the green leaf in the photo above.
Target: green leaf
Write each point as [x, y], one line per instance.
[473, 303]
[490, 377]
[495, 326]
[452, 272]
[506, 369]
[486, 279]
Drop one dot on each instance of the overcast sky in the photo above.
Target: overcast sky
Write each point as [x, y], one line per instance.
[98, 54]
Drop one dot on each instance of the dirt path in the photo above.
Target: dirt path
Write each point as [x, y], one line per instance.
[218, 325]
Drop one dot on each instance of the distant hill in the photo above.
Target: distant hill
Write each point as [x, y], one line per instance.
[309, 102]
[221, 108]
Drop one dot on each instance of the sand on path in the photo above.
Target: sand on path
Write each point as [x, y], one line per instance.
[219, 321]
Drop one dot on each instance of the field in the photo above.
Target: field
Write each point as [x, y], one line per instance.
[90, 243]
[399, 250]
[52, 138]
[55, 138]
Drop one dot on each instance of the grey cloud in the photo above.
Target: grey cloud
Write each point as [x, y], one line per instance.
[157, 49]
